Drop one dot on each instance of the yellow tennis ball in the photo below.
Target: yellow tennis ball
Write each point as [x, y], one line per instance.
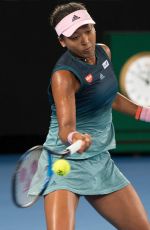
[61, 167]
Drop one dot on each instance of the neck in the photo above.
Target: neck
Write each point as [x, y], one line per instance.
[90, 60]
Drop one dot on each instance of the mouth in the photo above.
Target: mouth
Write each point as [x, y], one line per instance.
[87, 49]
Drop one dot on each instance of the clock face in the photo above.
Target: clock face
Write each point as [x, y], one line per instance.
[135, 78]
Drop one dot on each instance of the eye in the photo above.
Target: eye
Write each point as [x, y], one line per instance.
[74, 37]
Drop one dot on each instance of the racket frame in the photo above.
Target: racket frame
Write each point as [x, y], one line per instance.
[69, 150]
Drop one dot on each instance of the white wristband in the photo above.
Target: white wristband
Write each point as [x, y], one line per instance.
[69, 138]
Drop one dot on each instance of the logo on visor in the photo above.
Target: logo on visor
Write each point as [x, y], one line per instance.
[75, 18]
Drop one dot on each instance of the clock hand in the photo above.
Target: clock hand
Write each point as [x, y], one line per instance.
[139, 76]
[147, 81]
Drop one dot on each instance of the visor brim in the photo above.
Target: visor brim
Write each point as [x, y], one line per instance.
[72, 29]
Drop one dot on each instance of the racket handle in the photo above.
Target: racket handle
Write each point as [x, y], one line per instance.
[74, 147]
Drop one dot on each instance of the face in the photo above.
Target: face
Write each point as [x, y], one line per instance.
[82, 41]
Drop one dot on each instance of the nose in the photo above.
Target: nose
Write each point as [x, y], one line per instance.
[84, 39]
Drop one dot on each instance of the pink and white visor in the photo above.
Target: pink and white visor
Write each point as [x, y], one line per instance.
[69, 24]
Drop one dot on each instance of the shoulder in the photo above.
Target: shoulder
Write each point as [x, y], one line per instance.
[62, 75]
[65, 79]
[105, 48]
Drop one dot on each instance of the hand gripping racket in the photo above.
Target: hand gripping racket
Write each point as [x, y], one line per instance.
[26, 168]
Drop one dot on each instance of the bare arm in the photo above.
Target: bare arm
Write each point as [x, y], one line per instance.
[124, 105]
[64, 87]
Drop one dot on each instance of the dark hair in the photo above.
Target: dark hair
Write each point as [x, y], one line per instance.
[62, 10]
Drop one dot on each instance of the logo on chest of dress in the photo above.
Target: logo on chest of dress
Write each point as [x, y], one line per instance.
[89, 78]
[101, 76]
[105, 64]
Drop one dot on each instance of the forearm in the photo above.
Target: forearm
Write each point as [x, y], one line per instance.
[126, 106]
[64, 131]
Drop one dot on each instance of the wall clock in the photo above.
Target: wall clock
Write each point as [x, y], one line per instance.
[134, 78]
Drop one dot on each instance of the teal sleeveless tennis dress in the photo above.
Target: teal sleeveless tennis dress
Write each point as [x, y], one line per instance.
[92, 172]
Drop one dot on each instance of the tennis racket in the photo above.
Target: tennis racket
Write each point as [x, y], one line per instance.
[26, 168]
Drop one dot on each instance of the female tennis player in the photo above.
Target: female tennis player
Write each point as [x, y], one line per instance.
[82, 92]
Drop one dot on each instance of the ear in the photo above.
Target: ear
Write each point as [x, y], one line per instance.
[62, 42]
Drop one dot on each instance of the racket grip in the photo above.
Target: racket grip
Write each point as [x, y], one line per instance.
[74, 147]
